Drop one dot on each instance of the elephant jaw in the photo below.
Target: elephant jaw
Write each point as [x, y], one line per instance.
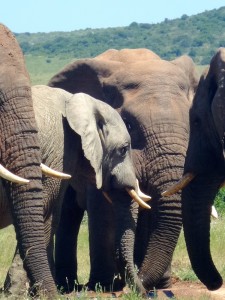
[138, 196]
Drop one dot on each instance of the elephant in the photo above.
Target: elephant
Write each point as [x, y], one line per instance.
[204, 168]
[84, 137]
[20, 169]
[153, 97]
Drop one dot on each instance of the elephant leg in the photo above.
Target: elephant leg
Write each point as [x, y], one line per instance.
[102, 243]
[16, 279]
[66, 243]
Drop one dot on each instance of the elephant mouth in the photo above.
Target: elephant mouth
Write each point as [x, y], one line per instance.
[137, 195]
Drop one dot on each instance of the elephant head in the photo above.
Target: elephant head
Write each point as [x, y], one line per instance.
[96, 134]
[153, 97]
[205, 163]
[20, 153]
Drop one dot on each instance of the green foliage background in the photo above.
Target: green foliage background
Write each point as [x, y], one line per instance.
[220, 202]
[198, 36]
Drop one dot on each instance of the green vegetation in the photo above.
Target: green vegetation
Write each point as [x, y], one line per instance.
[198, 36]
[220, 202]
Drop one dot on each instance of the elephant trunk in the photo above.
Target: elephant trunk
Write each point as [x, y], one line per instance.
[196, 210]
[165, 227]
[162, 224]
[20, 154]
[126, 213]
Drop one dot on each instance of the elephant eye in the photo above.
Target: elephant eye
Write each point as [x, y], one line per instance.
[123, 150]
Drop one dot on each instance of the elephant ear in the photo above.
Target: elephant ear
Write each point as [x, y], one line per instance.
[186, 64]
[82, 116]
[83, 76]
[216, 77]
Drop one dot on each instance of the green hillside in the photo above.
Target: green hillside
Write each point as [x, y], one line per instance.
[198, 36]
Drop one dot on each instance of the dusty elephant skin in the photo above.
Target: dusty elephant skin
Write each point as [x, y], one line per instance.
[153, 97]
[20, 153]
[86, 138]
[205, 159]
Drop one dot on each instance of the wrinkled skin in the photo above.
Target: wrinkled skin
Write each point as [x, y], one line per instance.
[205, 158]
[83, 137]
[20, 153]
[153, 97]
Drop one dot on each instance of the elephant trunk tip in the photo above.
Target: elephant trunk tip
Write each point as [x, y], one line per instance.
[214, 284]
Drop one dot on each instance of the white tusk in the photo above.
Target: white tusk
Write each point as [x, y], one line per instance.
[52, 173]
[107, 197]
[4, 173]
[136, 198]
[214, 213]
[141, 194]
[182, 183]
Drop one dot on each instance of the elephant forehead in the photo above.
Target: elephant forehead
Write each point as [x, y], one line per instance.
[152, 108]
[147, 77]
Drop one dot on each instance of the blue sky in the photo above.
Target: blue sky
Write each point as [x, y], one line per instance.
[68, 15]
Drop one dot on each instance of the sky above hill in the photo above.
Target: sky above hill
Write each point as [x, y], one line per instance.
[58, 15]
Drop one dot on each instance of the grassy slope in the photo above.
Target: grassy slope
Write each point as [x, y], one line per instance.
[41, 69]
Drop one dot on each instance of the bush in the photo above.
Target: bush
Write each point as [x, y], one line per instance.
[220, 202]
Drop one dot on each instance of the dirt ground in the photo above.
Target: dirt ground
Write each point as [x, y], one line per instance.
[183, 290]
[191, 291]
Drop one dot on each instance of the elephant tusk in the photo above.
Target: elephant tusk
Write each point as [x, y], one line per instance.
[4, 173]
[136, 198]
[141, 194]
[214, 213]
[182, 183]
[52, 173]
[107, 197]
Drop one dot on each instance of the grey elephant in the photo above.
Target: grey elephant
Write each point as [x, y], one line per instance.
[86, 138]
[153, 97]
[21, 157]
[204, 168]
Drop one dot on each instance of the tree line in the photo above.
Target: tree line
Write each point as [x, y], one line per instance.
[198, 36]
